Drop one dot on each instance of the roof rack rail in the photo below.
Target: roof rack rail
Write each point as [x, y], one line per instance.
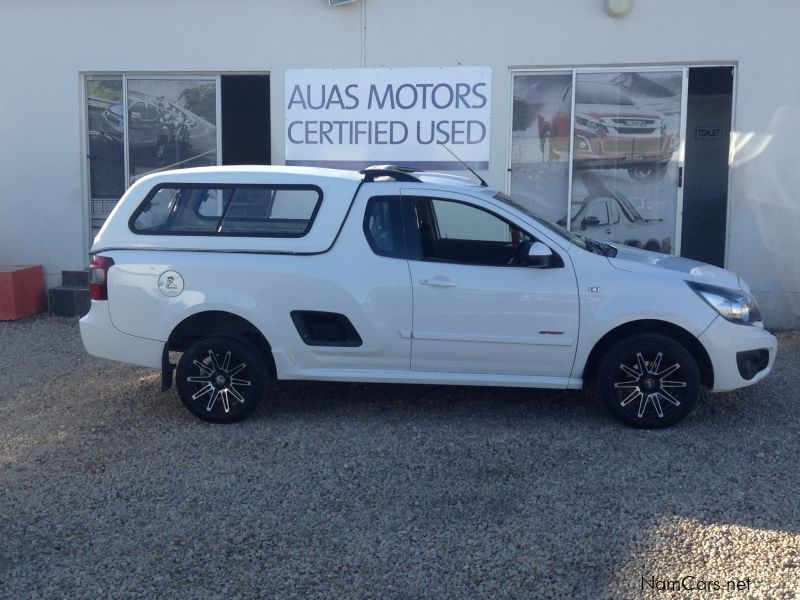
[393, 171]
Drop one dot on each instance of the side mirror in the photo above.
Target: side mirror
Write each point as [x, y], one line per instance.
[539, 255]
[589, 222]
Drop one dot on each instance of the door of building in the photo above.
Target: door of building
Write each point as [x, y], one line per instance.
[602, 141]
[141, 124]
[705, 195]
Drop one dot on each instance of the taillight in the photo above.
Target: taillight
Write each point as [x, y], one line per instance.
[98, 276]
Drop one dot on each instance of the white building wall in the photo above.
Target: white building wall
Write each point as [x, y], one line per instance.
[46, 45]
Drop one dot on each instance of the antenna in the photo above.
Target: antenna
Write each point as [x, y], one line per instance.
[466, 166]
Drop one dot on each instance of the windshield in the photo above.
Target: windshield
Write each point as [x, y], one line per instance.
[600, 93]
[581, 241]
[628, 207]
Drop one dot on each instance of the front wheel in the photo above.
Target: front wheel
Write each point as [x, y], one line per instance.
[221, 379]
[649, 381]
[548, 154]
[648, 172]
[653, 246]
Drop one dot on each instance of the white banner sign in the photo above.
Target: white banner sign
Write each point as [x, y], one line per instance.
[351, 118]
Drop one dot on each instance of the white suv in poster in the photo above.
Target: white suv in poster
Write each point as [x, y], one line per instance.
[607, 215]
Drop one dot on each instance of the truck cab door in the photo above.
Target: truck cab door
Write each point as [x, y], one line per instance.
[478, 307]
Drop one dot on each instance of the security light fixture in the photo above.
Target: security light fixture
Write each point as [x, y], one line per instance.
[618, 8]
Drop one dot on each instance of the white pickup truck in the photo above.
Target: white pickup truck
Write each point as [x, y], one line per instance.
[394, 275]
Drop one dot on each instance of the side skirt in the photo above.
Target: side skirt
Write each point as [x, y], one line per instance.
[288, 370]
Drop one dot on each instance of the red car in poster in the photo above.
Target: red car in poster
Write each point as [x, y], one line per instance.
[611, 132]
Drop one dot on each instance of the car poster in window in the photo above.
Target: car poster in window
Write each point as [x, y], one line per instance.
[172, 124]
[625, 159]
[106, 150]
[539, 173]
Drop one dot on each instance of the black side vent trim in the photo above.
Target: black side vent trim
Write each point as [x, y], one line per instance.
[318, 328]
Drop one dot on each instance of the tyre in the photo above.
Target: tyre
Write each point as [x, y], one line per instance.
[161, 151]
[221, 379]
[649, 381]
[548, 155]
[653, 246]
[648, 172]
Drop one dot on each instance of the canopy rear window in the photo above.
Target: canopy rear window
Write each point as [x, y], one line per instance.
[228, 210]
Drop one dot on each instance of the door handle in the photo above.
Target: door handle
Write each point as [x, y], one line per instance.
[608, 230]
[438, 281]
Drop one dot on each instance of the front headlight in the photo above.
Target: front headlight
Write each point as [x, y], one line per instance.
[734, 305]
[590, 123]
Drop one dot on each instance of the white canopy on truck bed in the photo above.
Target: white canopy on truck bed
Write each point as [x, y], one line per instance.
[338, 188]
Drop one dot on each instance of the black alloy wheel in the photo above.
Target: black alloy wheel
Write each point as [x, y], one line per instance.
[649, 381]
[221, 379]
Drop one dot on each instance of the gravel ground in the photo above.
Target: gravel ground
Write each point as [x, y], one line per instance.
[110, 489]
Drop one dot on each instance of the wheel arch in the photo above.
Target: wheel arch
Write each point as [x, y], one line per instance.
[679, 334]
[653, 245]
[214, 322]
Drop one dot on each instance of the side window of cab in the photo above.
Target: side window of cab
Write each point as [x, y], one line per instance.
[457, 232]
[444, 230]
[383, 226]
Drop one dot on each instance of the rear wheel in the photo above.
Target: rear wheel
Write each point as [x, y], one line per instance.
[649, 381]
[221, 379]
[161, 151]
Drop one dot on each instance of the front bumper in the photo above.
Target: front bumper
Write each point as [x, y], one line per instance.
[724, 340]
[620, 151]
[101, 338]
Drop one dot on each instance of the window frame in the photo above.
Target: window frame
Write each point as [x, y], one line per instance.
[402, 242]
[599, 200]
[223, 186]
[409, 202]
